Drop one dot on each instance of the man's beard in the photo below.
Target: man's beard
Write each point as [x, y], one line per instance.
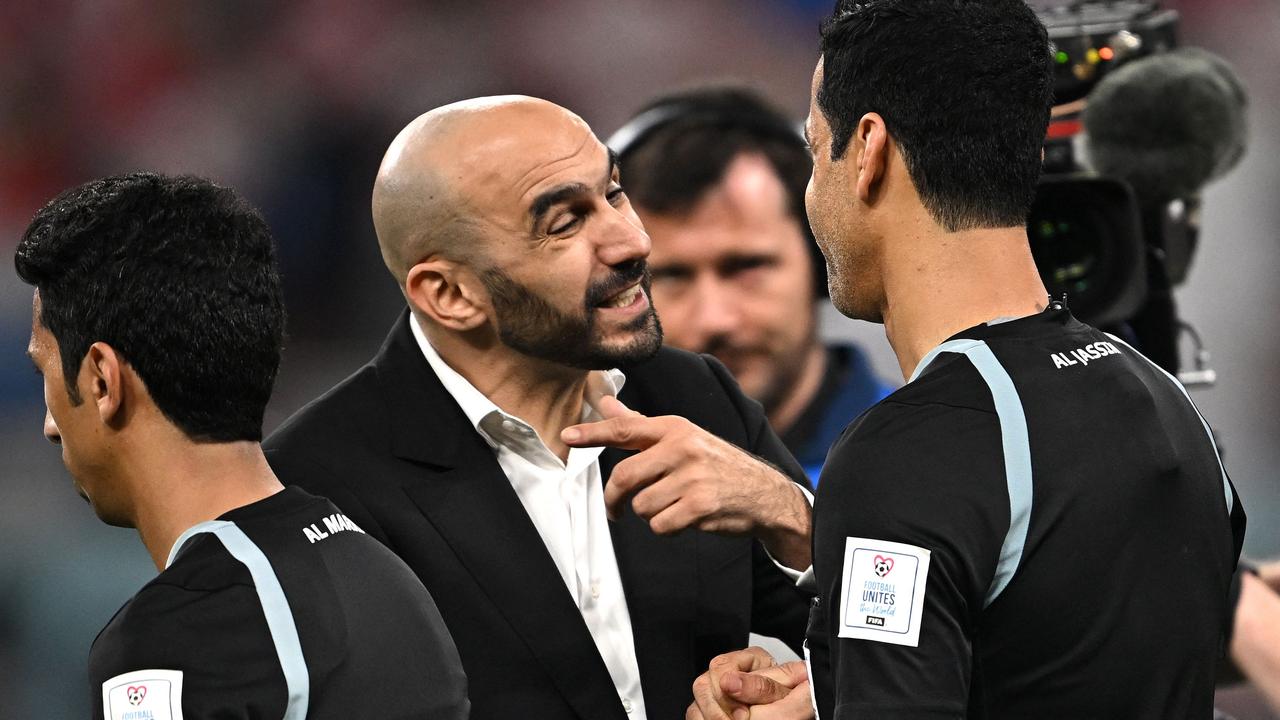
[782, 372]
[528, 323]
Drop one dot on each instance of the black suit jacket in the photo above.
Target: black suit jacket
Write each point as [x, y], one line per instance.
[391, 448]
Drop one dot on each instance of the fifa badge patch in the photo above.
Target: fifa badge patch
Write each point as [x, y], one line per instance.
[143, 695]
[882, 597]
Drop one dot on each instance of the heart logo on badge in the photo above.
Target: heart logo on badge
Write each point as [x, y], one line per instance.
[136, 694]
[883, 565]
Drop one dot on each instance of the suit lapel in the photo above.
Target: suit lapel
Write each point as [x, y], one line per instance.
[463, 492]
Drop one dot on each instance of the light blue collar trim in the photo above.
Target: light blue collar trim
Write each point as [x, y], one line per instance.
[952, 346]
[206, 526]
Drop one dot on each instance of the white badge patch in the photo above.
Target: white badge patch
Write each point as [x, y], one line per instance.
[143, 695]
[883, 594]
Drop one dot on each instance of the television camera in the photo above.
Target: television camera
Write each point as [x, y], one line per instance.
[1138, 128]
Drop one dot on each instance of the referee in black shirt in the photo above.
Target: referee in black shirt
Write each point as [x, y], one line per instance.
[157, 326]
[1037, 525]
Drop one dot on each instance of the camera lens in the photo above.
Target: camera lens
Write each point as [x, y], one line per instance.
[1087, 242]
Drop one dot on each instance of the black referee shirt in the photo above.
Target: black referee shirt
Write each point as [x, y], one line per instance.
[1036, 526]
[279, 609]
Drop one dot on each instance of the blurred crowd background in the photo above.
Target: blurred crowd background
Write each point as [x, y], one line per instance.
[293, 104]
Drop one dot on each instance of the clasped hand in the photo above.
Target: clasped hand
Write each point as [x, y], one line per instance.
[750, 685]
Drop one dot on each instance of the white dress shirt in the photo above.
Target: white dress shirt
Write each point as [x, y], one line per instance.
[565, 501]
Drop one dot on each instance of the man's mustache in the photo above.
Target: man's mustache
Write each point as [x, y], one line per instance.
[624, 275]
[727, 349]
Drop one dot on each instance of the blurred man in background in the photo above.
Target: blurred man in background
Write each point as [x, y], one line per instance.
[718, 177]
[578, 581]
[157, 324]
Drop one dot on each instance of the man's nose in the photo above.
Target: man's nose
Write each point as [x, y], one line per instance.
[51, 428]
[716, 310]
[625, 239]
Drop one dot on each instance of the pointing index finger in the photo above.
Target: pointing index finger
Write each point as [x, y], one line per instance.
[611, 407]
[622, 428]
[630, 432]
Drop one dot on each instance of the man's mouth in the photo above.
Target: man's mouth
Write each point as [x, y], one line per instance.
[624, 298]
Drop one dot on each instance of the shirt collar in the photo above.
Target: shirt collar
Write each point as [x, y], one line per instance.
[476, 406]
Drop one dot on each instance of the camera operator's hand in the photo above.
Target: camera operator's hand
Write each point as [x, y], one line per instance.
[1269, 573]
[1255, 640]
[685, 477]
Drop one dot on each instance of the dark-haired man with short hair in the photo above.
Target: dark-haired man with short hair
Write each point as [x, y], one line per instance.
[157, 325]
[718, 176]
[1037, 525]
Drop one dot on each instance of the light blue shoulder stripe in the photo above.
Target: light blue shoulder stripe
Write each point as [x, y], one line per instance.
[275, 606]
[1017, 463]
[1226, 483]
[1016, 444]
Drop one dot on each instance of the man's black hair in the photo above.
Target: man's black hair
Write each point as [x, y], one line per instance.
[964, 87]
[176, 274]
[673, 163]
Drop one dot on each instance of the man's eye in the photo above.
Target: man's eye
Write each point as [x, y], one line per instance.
[564, 226]
[670, 276]
[742, 265]
[615, 194]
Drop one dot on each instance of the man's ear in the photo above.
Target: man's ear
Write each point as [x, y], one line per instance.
[872, 147]
[103, 371]
[448, 293]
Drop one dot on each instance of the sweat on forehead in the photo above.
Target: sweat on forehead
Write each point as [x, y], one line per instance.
[461, 165]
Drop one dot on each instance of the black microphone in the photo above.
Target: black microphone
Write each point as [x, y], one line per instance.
[1167, 123]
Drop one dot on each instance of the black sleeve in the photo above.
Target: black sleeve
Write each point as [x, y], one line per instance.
[930, 477]
[1238, 521]
[1228, 673]
[218, 641]
[778, 609]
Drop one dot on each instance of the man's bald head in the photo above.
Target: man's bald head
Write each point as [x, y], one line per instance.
[431, 194]
[505, 222]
